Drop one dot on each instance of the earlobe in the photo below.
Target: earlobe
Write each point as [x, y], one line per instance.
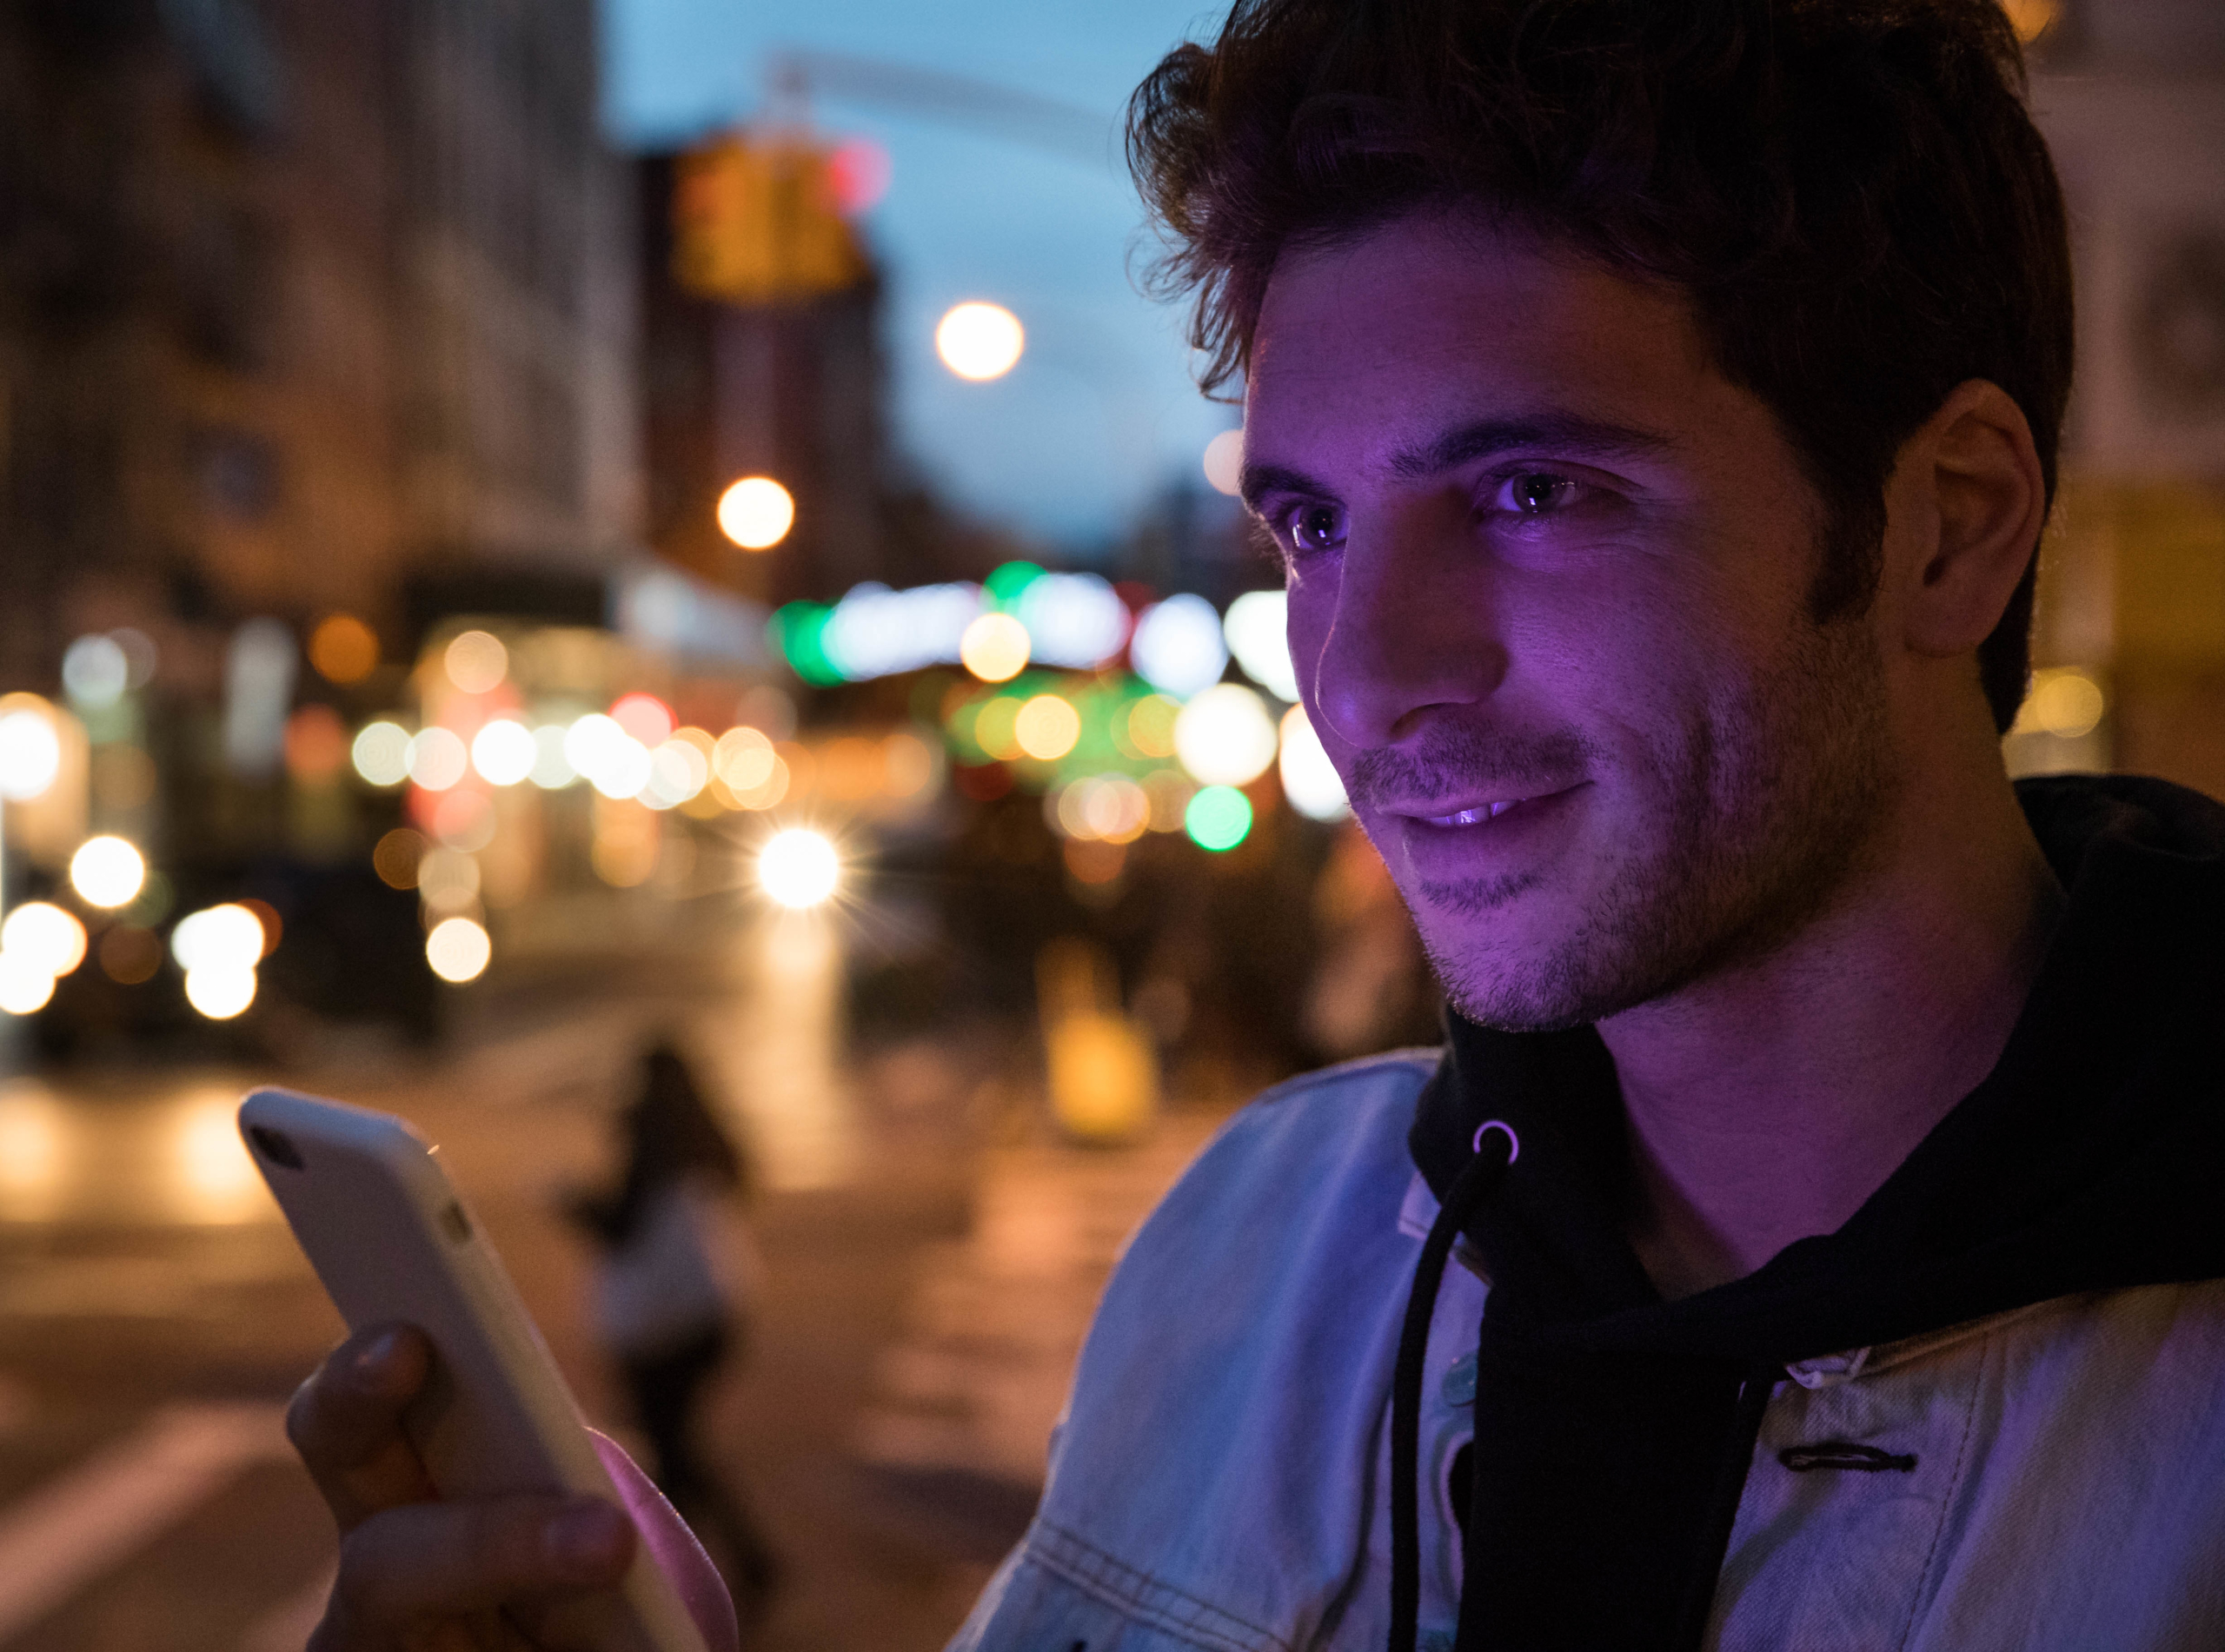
[1968, 492]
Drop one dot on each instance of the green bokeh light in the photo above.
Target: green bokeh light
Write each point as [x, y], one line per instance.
[1004, 584]
[800, 631]
[1219, 817]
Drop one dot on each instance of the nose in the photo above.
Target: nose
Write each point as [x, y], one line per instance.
[1412, 625]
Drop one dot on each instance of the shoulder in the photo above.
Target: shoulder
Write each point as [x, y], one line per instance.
[1224, 1418]
[1339, 1132]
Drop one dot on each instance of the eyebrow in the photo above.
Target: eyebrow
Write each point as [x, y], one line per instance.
[1567, 433]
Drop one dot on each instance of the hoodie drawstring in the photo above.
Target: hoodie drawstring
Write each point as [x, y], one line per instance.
[1497, 1147]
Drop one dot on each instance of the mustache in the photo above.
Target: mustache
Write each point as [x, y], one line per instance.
[1463, 763]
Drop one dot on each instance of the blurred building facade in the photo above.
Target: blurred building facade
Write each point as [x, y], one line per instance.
[298, 302]
[2131, 95]
[793, 386]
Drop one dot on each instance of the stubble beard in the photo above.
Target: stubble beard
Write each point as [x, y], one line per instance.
[1764, 803]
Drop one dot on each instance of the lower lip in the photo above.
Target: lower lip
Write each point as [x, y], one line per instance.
[1485, 847]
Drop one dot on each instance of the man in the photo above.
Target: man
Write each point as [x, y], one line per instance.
[1655, 405]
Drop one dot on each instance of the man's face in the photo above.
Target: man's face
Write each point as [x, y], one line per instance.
[1549, 577]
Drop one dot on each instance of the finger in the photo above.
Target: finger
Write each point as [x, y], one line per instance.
[674, 1548]
[345, 1422]
[405, 1567]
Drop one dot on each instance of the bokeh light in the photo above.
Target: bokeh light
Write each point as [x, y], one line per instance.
[315, 744]
[438, 758]
[96, 671]
[645, 717]
[1225, 461]
[756, 513]
[448, 881]
[222, 940]
[395, 858]
[220, 993]
[504, 752]
[30, 752]
[477, 662]
[344, 649]
[995, 647]
[1217, 818]
[1178, 646]
[1226, 736]
[459, 949]
[107, 871]
[1309, 780]
[1046, 727]
[743, 759]
[1149, 725]
[612, 760]
[25, 988]
[381, 753]
[44, 937]
[551, 768]
[1256, 629]
[2067, 704]
[799, 868]
[980, 341]
[678, 771]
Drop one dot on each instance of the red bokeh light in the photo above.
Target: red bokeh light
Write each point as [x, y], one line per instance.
[858, 173]
[648, 718]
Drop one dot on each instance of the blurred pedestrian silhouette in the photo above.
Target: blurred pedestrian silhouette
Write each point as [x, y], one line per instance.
[671, 1299]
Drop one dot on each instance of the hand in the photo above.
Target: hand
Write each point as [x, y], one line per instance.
[471, 1575]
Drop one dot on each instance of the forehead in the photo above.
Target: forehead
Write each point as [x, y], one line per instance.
[1426, 321]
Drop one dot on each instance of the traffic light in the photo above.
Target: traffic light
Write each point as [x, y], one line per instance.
[757, 220]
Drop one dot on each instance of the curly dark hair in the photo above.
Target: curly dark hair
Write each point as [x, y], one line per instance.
[1851, 192]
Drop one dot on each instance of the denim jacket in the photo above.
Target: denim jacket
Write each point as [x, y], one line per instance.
[2051, 1477]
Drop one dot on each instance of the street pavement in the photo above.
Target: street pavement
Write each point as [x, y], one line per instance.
[929, 1258]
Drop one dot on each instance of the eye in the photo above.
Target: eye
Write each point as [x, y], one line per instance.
[1315, 527]
[1538, 493]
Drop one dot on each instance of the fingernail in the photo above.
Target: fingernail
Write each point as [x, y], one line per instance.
[586, 1537]
[379, 1352]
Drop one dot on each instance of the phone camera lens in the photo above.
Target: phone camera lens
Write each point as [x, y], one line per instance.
[275, 1146]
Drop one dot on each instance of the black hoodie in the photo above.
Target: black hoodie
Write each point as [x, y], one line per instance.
[1612, 1428]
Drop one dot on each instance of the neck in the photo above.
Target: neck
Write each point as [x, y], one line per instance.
[1767, 1102]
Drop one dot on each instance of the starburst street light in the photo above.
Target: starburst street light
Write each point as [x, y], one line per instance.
[799, 868]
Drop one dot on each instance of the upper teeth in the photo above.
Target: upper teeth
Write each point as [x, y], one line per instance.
[1475, 817]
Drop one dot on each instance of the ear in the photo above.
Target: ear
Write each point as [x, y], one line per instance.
[1965, 510]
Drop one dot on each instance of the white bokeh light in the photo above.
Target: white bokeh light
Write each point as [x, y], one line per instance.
[1177, 647]
[107, 871]
[1257, 629]
[42, 936]
[221, 939]
[1225, 735]
[458, 950]
[381, 753]
[980, 341]
[30, 755]
[503, 751]
[220, 993]
[1309, 780]
[1224, 461]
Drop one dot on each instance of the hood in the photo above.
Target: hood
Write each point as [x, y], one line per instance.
[2087, 1159]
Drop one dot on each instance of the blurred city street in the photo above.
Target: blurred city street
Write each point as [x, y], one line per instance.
[536, 531]
[927, 1260]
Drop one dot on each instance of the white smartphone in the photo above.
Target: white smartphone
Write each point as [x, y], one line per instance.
[388, 1236]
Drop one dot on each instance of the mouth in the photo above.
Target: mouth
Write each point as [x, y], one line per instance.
[1482, 813]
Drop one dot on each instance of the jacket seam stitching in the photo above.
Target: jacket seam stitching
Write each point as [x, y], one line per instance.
[1124, 1586]
[1947, 1498]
